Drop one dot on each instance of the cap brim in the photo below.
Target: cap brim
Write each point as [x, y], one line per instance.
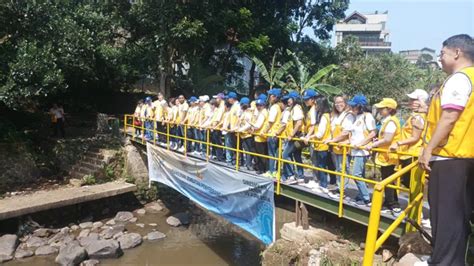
[412, 96]
[379, 105]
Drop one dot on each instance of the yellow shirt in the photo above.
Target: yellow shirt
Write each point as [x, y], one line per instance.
[276, 124]
[234, 115]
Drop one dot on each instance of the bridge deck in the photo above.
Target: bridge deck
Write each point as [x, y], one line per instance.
[49, 199]
[359, 214]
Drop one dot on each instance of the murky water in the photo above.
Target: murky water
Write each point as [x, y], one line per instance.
[208, 240]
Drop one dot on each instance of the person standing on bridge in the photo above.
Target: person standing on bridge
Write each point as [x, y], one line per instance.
[243, 131]
[449, 153]
[216, 125]
[411, 132]
[182, 111]
[362, 132]
[234, 115]
[271, 128]
[260, 139]
[149, 115]
[389, 133]
[341, 120]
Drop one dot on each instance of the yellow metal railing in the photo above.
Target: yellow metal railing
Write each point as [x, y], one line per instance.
[373, 241]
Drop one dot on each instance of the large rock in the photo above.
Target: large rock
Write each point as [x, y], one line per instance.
[85, 241]
[152, 236]
[141, 211]
[135, 163]
[153, 207]
[178, 219]
[408, 260]
[4, 258]
[313, 236]
[8, 244]
[23, 253]
[102, 249]
[123, 217]
[84, 233]
[112, 230]
[60, 239]
[85, 225]
[89, 263]
[71, 254]
[130, 240]
[44, 232]
[45, 250]
[413, 243]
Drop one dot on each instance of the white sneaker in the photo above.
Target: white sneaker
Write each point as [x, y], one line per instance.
[426, 223]
[181, 149]
[317, 189]
[324, 190]
[291, 180]
[311, 184]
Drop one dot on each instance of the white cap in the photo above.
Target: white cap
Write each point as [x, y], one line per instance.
[419, 94]
[204, 98]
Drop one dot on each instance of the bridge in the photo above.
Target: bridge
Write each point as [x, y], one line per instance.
[380, 226]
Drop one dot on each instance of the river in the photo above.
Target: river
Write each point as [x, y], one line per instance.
[208, 240]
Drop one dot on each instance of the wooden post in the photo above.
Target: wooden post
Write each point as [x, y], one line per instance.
[298, 213]
[304, 217]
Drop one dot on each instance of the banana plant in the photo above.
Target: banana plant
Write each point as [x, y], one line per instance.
[274, 76]
[305, 81]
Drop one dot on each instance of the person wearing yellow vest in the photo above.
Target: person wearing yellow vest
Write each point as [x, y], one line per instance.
[449, 153]
[260, 140]
[341, 120]
[244, 127]
[158, 105]
[271, 128]
[411, 132]
[389, 133]
[319, 128]
[233, 116]
[137, 122]
[149, 118]
[293, 130]
[171, 119]
[216, 124]
[362, 132]
[199, 131]
[191, 119]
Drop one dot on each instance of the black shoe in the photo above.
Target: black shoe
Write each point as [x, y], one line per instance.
[363, 203]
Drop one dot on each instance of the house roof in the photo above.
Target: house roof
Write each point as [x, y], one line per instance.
[355, 14]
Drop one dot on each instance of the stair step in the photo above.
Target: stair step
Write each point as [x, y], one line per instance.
[92, 166]
[94, 155]
[90, 160]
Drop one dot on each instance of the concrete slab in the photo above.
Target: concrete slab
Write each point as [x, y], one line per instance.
[50, 199]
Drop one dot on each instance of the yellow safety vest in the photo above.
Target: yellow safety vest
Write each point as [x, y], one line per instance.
[158, 112]
[407, 132]
[307, 120]
[336, 132]
[277, 123]
[290, 124]
[387, 158]
[246, 115]
[259, 138]
[460, 142]
[234, 115]
[326, 135]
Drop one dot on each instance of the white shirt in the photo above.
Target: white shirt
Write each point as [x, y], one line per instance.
[363, 122]
[345, 119]
[323, 123]
[285, 116]
[260, 119]
[391, 126]
[297, 113]
[273, 113]
[456, 92]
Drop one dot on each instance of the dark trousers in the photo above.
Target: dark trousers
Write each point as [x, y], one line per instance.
[450, 192]
[391, 197]
[332, 167]
[59, 128]
[248, 144]
[406, 177]
[261, 163]
[161, 129]
[216, 138]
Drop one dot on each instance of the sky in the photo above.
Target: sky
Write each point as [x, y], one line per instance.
[414, 24]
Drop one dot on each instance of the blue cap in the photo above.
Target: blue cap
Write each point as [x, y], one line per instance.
[260, 101]
[245, 100]
[193, 99]
[148, 99]
[231, 95]
[263, 97]
[293, 94]
[358, 99]
[275, 91]
[310, 93]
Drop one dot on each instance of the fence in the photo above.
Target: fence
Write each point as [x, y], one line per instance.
[373, 240]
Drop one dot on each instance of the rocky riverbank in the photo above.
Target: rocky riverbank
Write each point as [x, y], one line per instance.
[88, 242]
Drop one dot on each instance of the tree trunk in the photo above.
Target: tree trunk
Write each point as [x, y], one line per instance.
[162, 87]
[252, 80]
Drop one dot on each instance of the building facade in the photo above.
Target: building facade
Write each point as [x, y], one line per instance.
[370, 29]
[425, 55]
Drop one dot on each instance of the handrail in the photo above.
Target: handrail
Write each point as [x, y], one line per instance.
[373, 243]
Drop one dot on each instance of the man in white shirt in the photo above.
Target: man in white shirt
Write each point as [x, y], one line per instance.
[449, 154]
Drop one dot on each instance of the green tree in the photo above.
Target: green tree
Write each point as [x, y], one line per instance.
[274, 74]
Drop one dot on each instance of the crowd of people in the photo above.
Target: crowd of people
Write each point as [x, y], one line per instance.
[306, 120]
[438, 131]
